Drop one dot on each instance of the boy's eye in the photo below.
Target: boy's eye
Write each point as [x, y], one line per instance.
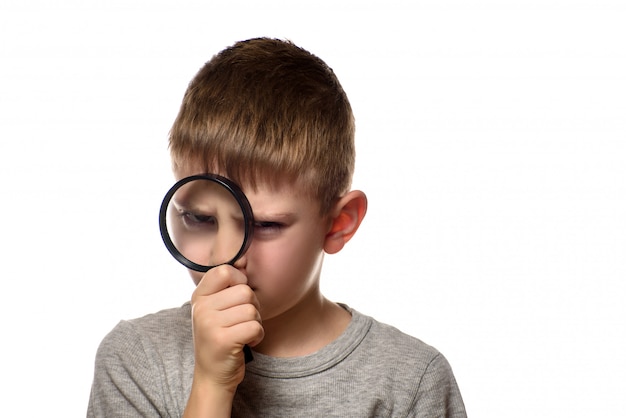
[267, 227]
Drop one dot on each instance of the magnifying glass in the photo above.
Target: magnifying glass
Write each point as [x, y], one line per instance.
[206, 221]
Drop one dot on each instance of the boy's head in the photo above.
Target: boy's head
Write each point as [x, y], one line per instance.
[266, 110]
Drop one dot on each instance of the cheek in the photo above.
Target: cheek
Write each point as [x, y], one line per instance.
[289, 262]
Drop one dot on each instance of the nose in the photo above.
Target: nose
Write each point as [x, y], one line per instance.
[241, 262]
[225, 245]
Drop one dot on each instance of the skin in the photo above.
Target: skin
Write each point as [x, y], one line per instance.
[270, 299]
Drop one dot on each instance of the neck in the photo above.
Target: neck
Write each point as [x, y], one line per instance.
[304, 329]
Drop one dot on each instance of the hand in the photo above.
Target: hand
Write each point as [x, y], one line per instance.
[225, 317]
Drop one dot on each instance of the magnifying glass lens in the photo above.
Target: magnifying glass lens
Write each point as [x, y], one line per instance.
[205, 222]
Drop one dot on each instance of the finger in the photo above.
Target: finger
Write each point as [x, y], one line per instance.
[220, 278]
[239, 314]
[225, 299]
[246, 333]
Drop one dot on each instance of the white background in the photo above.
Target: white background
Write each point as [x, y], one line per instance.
[491, 143]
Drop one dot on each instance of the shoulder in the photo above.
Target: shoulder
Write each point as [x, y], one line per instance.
[411, 367]
[391, 344]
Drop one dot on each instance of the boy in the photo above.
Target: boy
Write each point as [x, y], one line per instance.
[273, 118]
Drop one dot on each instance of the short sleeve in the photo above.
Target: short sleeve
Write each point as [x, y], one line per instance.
[438, 394]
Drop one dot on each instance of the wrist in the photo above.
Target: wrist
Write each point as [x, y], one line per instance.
[209, 399]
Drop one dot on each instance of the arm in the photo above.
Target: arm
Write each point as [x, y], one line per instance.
[225, 317]
[208, 401]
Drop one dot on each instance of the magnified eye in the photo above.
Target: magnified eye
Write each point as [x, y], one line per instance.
[197, 221]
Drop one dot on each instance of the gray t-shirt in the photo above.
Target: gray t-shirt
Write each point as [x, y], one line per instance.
[144, 367]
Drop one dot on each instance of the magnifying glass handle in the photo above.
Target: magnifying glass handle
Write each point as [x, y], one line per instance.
[247, 354]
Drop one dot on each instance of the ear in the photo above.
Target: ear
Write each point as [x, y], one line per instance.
[346, 217]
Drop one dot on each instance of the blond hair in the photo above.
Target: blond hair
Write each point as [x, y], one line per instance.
[267, 110]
